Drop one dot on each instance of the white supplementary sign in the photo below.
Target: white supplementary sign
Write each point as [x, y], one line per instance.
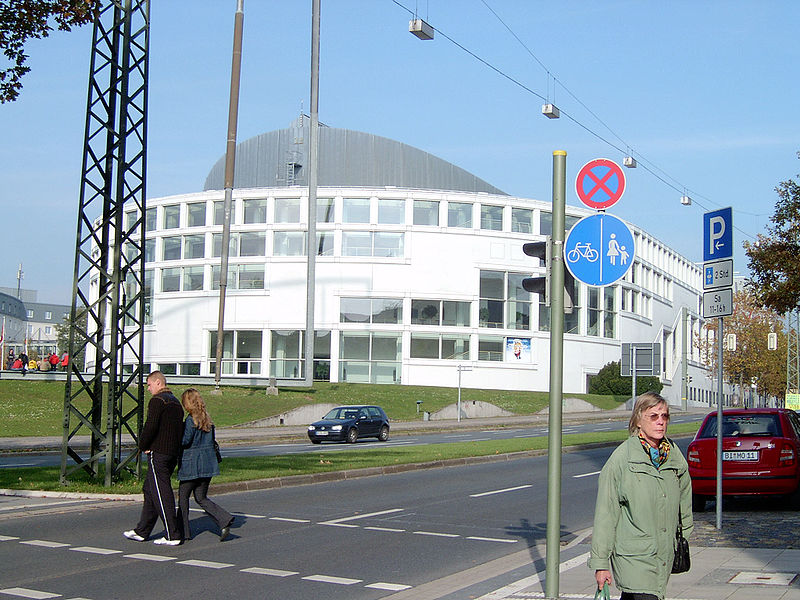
[718, 303]
[718, 274]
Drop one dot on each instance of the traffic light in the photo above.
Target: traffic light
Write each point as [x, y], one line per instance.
[772, 341]
[539, 285]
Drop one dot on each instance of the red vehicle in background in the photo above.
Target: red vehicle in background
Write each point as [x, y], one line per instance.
[760, 455]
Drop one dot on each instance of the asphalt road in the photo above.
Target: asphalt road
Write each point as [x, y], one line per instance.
[401, 535]
[404, 438]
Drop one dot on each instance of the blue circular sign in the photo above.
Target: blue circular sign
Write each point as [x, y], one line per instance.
[599, 250]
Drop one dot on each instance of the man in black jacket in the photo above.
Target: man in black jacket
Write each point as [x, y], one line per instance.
[160, 440]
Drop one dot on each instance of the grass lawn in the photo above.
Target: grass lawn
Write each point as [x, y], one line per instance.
[262, 467]
[36, 408]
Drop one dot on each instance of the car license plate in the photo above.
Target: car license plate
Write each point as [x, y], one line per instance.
[740, 455]
[322, 433]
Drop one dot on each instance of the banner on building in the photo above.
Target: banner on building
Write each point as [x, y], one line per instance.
[518, 350]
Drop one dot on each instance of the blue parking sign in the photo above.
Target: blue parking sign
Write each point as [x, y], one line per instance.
[599, 250]
[718, 234]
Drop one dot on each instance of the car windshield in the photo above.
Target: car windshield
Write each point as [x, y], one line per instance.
[342, 413]
[743, 426]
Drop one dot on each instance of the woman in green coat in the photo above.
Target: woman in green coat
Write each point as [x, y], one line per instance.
[642, 488]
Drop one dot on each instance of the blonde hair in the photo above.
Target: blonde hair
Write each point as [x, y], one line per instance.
[194, 404]
[643, 402]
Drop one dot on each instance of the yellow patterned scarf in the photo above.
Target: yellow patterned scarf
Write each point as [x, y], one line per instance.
[658, 456]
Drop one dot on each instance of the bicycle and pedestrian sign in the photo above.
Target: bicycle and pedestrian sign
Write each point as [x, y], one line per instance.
[599, 250]
[600, 183]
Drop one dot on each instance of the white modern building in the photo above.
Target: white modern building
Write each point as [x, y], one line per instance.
[418, 270]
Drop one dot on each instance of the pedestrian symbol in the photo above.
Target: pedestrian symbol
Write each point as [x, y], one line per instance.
[599, 249]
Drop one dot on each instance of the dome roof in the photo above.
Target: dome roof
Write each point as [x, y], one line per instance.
[346, 159]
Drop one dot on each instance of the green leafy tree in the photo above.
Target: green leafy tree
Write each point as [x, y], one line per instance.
[773, 258]
[21, 20]
[609, 382]
[750, 364]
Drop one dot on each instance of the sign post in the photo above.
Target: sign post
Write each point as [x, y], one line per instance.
[718, 277]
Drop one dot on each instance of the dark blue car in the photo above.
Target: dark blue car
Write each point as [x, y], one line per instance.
[348, 423]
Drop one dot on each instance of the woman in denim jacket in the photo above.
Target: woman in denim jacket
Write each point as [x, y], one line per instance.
[198, 465]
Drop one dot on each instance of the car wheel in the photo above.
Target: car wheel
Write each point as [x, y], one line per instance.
[698, 503]
[384, 434]
[316, 441]
[352, 435]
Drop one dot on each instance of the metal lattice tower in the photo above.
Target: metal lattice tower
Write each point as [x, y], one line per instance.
[102, 398]
[793, 354]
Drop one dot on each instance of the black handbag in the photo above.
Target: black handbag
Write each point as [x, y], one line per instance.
[216, 446]
[682, 561]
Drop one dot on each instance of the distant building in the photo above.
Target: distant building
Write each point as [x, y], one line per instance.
[30, 325]
[419, 265]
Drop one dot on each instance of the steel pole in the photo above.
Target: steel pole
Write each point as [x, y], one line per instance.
[313, 170]
[685, 358]
[458, 416]
[553, 545]
[230, 163]
[719, 424]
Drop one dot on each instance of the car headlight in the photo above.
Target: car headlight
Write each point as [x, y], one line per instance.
[311, 428]
[336, 428]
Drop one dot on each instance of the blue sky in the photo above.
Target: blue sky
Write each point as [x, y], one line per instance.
[706, 92]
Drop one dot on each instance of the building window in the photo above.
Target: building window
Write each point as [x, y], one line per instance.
[171, 248]
[189, 368]
[171, 279]
[216, 245]
[370, 357]
[172, 216]
[324, 243]
[378, 243]
[391, 212]
[387, 244]
[610, 313]
[521, 220]
[490, 348]
[168, 368]
[219, 211]
[149, 250]
[247, 358]
[371, 310]
[356, 243]
[355, 210]
[48, 315]
[459, 214]
[325, 210]
[426, 212]
[289, 243]
[148, 297]
[445, 347]
[287, 210]
[456, 314]
[518, 307]
[425, 312]
[255, 210]
[251, 277]
[448, 313]
[194, 246]
[571, 320]
[48, 330]
[196, 214]
[252, 243]
[150, 219]
[490, 310]
[491, 217]
[593, 313]
[192, 278]
[286, 354]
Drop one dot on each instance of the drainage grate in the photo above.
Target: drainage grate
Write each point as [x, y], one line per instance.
[749, 577]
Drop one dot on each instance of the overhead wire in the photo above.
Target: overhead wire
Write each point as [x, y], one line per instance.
[642, 161]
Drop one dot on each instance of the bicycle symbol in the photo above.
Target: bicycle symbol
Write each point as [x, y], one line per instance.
[584, 250]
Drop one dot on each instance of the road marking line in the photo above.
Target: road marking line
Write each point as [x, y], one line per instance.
[28, 593]
[151, 557]
[92, 550]
[481, 439]
[288, 520]
[391, 529]
[364, 516]
[518, 586]
[250, 516]
[205, 563]
[586, 474]
[331, 579]
[511, 489]
[339, 525]
[272, 572]
[392, 587]
[7, 538]
[17, 465]
[44, 543]
[488, 539]
[437, 534]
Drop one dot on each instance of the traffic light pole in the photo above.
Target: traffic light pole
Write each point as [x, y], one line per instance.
[553, 543]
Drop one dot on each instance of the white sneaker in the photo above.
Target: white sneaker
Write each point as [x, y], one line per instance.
[132, 535]
[162, 541]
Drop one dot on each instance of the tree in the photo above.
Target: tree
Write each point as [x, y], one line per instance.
[751, 364]
[608, 381]
[21, 20]
[62, 336]
[773, 258]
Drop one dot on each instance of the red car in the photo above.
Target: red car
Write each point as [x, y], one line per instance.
[760, 455]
